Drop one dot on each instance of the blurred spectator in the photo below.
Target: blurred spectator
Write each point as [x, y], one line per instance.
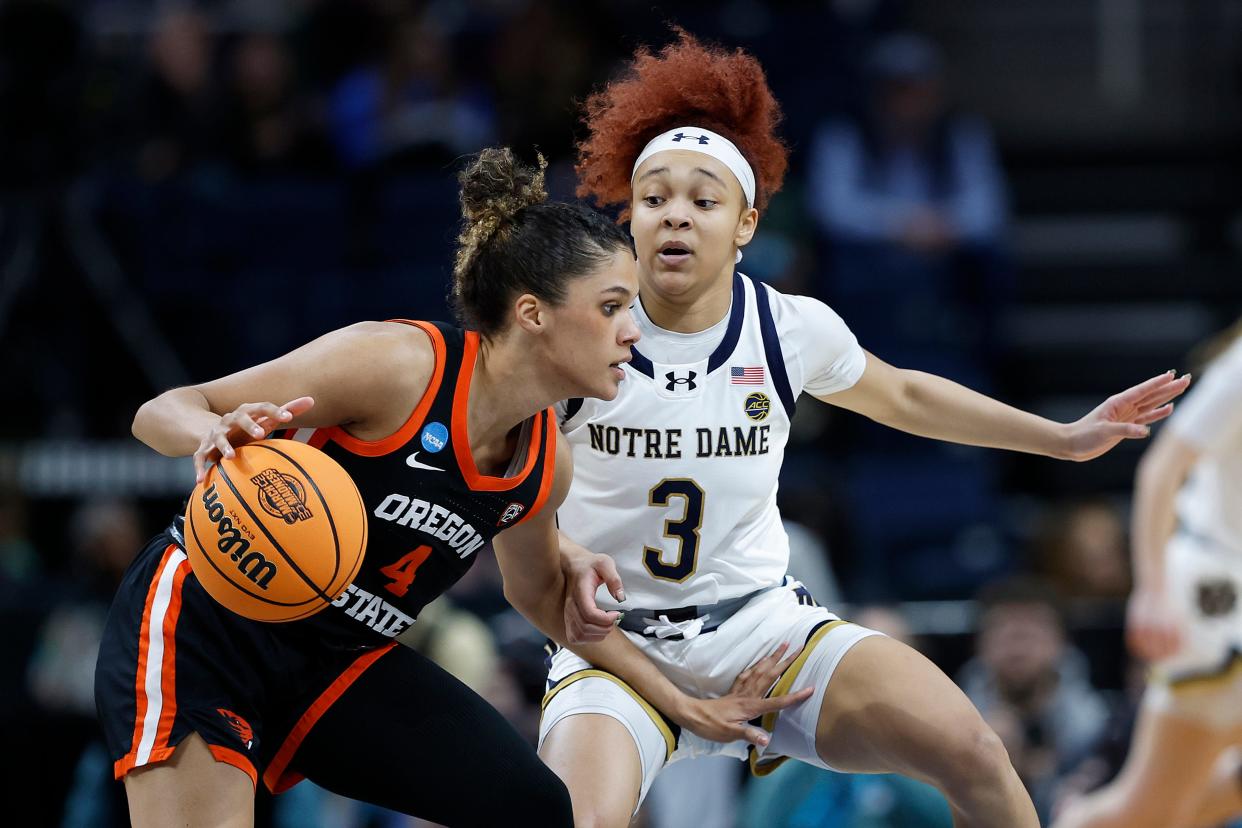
[410, 105]
[1082, 547]
[910, 199]
[268, 126]
[179, 103]
[1031, 685]
[798, 795]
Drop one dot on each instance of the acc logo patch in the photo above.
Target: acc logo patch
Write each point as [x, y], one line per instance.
[282, 495]
[757, 406]
[435, 437]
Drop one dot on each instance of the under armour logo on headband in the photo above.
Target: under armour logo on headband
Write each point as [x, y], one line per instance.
[702, 139]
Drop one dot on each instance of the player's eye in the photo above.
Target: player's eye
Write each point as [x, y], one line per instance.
[653, 201]
[705, 203]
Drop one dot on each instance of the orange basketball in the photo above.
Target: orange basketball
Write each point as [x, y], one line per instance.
[277, 532]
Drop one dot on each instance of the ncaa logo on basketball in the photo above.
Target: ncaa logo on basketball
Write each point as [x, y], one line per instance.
[435, 437]
[510, 514]
[282, 495]
[757, 406]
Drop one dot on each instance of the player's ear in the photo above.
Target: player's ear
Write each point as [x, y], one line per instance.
[530, 314]
[747, 223]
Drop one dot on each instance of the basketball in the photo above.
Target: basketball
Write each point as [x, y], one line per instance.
[276, 532]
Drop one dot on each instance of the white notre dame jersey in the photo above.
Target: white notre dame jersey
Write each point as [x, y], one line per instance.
[676, 478]
[1210, 419]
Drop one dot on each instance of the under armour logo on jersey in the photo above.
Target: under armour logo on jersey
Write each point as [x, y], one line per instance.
[674, 381]
[681, 136]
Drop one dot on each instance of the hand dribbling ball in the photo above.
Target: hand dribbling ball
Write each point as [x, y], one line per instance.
[276, 532]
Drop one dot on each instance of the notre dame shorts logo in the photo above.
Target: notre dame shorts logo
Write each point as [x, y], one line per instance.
[1217, 597]
[757, 406]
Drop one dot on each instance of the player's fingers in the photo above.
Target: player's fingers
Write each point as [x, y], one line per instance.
[584, 603]
[295, 408]
[1154, 415]
[781, 702]
[788, 662]
[221, 444]
[771, 659]
[606, 569]
[753, 735]
[247, 425]
[1163, 392]
[1125, 431]
[1140, 391]
[200, 465]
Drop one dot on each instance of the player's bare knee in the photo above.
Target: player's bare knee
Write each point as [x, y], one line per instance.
[975, 760]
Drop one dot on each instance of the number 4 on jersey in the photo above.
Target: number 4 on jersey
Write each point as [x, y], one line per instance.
[402, 571]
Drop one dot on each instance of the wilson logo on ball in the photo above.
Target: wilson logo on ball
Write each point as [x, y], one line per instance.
[252, 564]
[282, 495]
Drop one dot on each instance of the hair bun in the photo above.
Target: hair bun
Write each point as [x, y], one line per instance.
[495, 186]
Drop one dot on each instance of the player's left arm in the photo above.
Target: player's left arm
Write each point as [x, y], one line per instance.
[932, 406]
[530, 560]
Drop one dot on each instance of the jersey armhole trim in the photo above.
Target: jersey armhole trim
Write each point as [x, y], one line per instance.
[460, 432]
[394, 441]
[549, 465]
[772, 349]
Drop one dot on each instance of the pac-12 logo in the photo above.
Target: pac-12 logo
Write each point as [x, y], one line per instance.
[282, 495]
[435, 437]
[757, 405]
[510, 514]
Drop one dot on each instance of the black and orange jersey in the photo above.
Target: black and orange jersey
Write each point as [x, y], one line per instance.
[429, 510]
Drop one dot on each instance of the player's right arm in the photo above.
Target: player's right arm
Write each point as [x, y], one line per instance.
[368, 376]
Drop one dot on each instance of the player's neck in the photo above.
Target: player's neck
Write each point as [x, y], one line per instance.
[505, 391]
[690, 311]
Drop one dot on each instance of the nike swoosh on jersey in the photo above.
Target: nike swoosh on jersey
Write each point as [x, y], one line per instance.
[413, 462]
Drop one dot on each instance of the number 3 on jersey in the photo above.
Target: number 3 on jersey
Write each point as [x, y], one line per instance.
[685, 530]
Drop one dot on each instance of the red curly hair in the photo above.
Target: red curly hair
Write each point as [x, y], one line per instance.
[687, 83]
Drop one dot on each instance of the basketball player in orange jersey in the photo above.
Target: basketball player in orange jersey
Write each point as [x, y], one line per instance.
[1184, 769]
[676, 478]
[439, 427]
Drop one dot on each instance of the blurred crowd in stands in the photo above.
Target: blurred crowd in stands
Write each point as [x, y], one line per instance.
[189, 188]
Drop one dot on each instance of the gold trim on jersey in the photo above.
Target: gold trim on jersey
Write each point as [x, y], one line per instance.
[670, 741]
[783, 685]
[1231, 671]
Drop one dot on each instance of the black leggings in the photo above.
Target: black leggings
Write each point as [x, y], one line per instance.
[408, 736]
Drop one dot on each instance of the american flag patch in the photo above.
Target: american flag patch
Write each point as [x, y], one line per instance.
[746, 376]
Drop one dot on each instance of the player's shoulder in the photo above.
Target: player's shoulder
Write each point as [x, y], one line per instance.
[793, 309]
[398, 352]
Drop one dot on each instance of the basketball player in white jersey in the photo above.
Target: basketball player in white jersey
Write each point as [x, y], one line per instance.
[1183, 768]
[677, 477]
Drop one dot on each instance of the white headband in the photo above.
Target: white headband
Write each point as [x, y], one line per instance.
[707, 142]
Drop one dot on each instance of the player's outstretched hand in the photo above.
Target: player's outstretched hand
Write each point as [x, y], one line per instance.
[1125, 416]
[247, 423]
[584, 571]
[727, 718]
[1152, 628]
